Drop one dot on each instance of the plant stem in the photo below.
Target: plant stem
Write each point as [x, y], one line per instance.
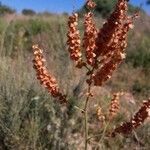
[86, 112]
[86, 118]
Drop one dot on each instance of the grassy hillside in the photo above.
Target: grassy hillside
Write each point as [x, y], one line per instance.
[30, 119]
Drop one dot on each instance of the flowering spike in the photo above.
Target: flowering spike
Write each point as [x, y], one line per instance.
[137, 120]
[73, 41]
[115, 105]
[89, 38]
[111, 42]
[48, 81]
[105, 72]
[111, 29]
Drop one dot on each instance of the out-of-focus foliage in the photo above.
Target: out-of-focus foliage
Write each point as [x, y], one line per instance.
[105, 7]
[6, 9]
[28, 12]
[140, 57]
[148, 2]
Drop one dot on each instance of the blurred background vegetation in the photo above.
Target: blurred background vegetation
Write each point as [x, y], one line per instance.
[105, 7]
[29, 117]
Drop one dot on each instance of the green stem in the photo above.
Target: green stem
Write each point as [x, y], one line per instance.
[86, 119]
[86, 122]
[86, 113]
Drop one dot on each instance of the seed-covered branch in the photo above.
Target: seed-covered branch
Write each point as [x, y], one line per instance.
[137, 120]
[46, 79]
[90, 34]
[74, 41]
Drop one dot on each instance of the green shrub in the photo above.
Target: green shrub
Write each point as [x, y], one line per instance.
[140, 57]
[6, 9]
[37, 26]
[29, 12]
[17, 38]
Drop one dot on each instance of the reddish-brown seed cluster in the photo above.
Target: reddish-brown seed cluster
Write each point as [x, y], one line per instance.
[90, 4]
[74, 38]
[89, 38]
[48, 81]
[111, 42]
[105, 72]
[136, 121]
[111, 31]
[141, 115]
[115, 105]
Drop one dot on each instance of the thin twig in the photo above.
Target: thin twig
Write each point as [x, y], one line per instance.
[103, 134]
[78, 108]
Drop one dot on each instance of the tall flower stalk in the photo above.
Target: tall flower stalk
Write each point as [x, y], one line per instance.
[104, 50]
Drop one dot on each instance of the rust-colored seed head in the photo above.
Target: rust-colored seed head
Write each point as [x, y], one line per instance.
[114, 106]
[73, 41]
[136, 121]
[47, 80]
[112, 59]
[111, 42]
[109, 35]
[106, 71]
[141, 115]
[90, 4]
[89, 38]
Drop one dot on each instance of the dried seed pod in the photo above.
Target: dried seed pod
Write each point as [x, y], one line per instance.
[114, 57]
[73, 41]
[111, 42]
[105, 72]
[115, 105]
[137, 120]
[89, 38]
[47, 80]
[100, 115]
[111, 28]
